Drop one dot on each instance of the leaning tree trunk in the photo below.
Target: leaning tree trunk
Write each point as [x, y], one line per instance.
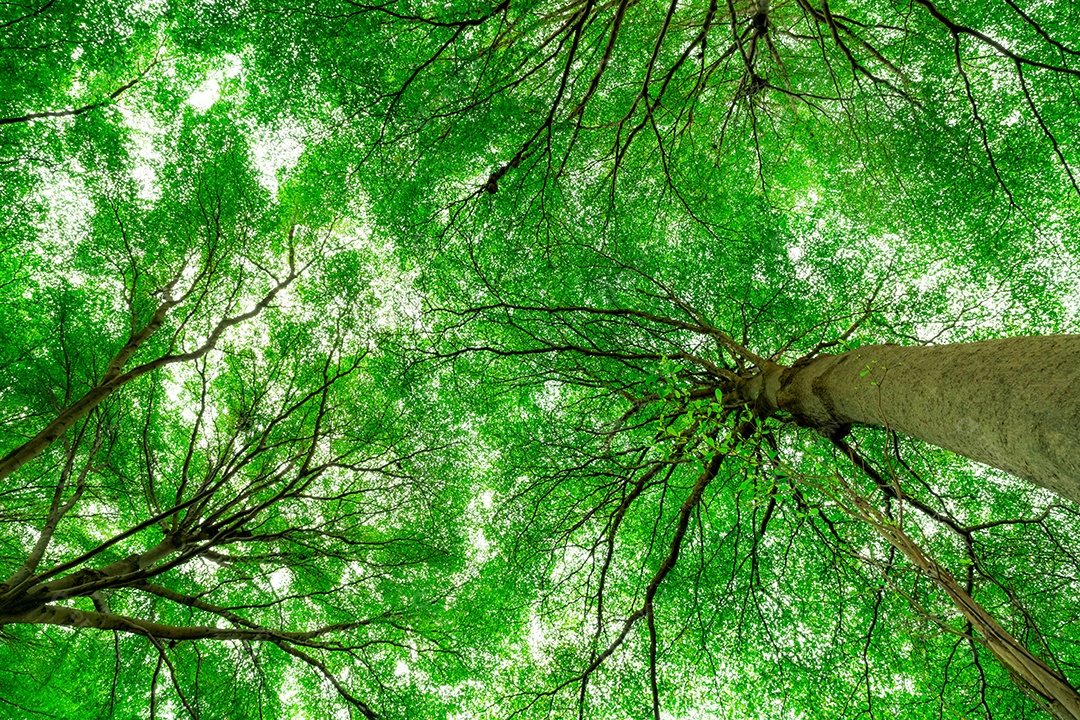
[1012, 403]
[1047, 686]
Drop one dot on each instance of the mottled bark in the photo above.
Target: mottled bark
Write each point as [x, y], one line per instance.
[1012, 403]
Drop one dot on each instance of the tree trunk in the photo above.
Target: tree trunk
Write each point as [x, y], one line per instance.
[1012, 403]
[1044, 684]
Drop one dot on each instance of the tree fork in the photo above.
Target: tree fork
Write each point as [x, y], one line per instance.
[113, 380]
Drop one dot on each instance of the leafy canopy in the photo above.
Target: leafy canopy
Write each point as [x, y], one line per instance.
[384, 358]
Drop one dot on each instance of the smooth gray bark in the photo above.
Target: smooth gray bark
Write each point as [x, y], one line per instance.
[1011, 403]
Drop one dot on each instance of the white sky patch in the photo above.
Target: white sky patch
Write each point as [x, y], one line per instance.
[290, 690]
[811, 199]
[148, 9]
[549, 395]
[27, 533]
[1062, 268]
[98, 528]
[206, 95]
[803, 271]
[572, 561]
[538, 640]
[149, 189]
[275, 151]
[210, 91]
[145, 134]
[399, 303]
[481, 546]
[477, 514]
[181, 390]
[66, 220]
[280, 579]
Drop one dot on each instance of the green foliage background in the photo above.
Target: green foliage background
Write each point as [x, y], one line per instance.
[428, 437]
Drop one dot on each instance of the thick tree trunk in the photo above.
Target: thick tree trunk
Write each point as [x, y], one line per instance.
[1012, 403]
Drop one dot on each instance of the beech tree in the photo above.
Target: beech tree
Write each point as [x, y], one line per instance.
[539, 359]
[615, 262]
[695, 402]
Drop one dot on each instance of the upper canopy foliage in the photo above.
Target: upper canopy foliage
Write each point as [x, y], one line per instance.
[385, 357]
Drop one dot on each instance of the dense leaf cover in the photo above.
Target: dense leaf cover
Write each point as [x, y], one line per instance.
[382, 359]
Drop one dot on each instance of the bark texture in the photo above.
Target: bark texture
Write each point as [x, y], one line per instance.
[1012, 403]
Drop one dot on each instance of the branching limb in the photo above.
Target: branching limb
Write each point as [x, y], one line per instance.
[114, 378]
[364, 709]
[85, 108]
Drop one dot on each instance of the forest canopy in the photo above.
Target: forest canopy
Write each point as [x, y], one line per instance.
[539, 359]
